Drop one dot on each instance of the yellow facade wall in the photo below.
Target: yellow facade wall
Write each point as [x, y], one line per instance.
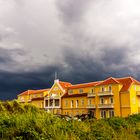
[73, 111]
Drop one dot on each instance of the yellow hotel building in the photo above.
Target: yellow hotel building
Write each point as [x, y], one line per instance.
[103, 99]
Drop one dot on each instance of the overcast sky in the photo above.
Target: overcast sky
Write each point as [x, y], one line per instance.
[83, 40]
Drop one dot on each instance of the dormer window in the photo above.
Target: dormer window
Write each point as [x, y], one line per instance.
[70, 91]
[81, 90]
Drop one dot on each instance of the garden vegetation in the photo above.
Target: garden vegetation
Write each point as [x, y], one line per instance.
[26, 122]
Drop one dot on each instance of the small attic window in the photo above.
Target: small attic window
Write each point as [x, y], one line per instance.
[70, 91]
[81, 90]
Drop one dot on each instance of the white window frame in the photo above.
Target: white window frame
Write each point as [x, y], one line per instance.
[111, 113]
[72, 103]
[103, 114]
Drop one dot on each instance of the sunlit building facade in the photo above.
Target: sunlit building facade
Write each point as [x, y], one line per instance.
[102, 99]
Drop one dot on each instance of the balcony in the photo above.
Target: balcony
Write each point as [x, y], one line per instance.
[90, 94]
[54, 96]
[52, 107]
[91, 106]
[138, 93]
[106, 106]
[105, 93]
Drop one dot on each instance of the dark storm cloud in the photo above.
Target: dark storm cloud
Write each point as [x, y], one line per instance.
[84, 68]
[71, 10]
[83, 41]
[14, 83]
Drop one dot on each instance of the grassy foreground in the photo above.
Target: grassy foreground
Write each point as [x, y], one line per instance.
[26, 122]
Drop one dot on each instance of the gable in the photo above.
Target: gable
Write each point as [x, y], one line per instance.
[108, 81]
[56, 90]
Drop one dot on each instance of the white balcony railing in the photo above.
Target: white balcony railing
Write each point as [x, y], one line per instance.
[91, 106]
[52, 107]
[105, 93]
[90, 94]
[105, 105]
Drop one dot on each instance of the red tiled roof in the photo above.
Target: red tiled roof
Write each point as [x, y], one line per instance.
[90, 84]
[40, 91]
[127, 82]
[108, 81]
[28, 92]
[73, 95]
[65, 84]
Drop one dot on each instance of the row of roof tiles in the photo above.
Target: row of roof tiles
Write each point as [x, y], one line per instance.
[125, 82]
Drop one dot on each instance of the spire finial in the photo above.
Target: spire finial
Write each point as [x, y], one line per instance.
[55, 75]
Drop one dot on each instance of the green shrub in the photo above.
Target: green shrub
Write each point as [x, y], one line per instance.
[23, 122]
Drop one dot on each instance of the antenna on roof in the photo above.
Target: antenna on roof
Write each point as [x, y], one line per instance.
[55, 75]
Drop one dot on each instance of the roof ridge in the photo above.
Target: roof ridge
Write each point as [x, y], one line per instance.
[110, 78]
[86, 83]
[124, 77]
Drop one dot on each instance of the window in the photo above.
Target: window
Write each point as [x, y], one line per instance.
[102, 100]
[51, 102]
[56, 102]
[92, 90]
[77, 112]
[41, 95]
[89, 101]
[72, 103]
[133, 100]
[77, 103]
[110, 88]
[46, 103]
[82, 102]
[103, 114]
[22, 98]
[35, 95]
[102, 89]
[66, 103]
[81, 90]
[70, 91]
[111, 113]
[111, 100]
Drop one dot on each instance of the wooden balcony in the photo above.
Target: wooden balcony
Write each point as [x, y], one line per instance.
[138, 93]
[105, 105]
[91, 106]
[105, 93]
[90, 94]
